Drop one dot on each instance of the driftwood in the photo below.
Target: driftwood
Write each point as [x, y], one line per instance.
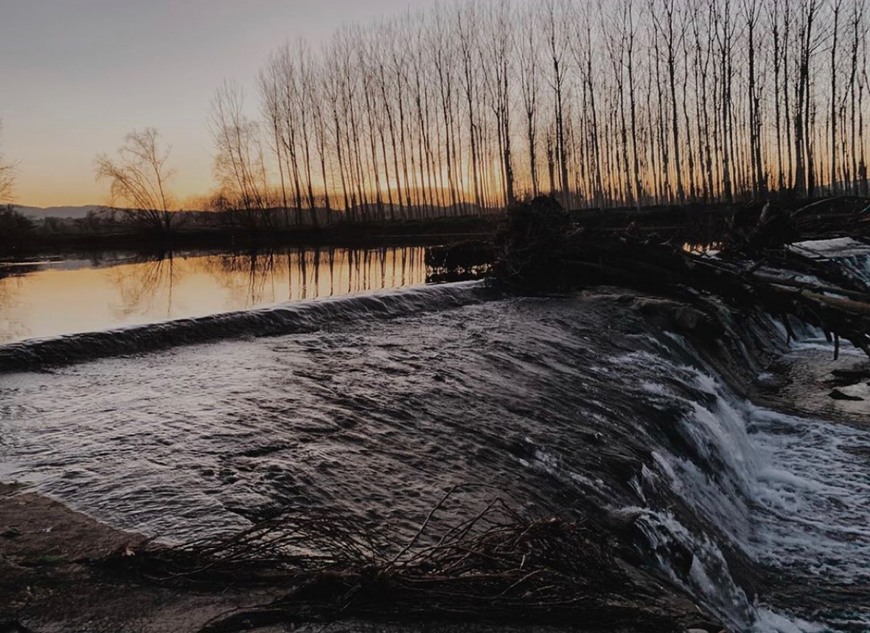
[541, 249]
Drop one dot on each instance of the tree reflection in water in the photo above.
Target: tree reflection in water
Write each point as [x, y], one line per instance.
[116, 289]
[146, 285]
[253, 278]
[11, 280]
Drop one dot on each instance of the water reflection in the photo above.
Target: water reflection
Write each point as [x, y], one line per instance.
[49, 298]
[11, 281]
[699, 248]
[140, 284]
[297, 274]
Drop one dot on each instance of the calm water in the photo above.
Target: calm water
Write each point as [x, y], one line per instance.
[65, 296]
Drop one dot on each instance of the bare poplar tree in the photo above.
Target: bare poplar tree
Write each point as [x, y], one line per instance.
[554, 18]
[584, 52]
[306, 121]
[616, 37]
[752, 15]
[836, 7]
[272, 105]
[666, 20]
[528, 72]
[468, 29]
[857, 31]
[804, 36]
[239, 161]
[497, 53]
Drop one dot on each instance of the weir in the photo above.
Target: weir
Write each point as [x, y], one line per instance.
[288, 318]
[600, 406]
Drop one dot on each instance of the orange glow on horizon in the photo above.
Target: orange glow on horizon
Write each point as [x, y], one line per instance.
[76, 194]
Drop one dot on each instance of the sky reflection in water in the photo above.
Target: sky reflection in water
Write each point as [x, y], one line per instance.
[50, 298]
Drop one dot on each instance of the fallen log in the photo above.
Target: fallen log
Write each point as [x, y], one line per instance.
[541, 251]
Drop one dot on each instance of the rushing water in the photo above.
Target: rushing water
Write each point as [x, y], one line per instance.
[375, 404]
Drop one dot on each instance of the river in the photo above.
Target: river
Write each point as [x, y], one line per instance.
[376, 401]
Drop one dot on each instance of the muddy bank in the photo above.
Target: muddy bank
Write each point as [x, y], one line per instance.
[203, 235]
[53, 578]
[48, 582]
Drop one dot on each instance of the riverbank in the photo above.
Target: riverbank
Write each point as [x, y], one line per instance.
[48, 582]
[51, 580]
[695, 223]
[192, 234]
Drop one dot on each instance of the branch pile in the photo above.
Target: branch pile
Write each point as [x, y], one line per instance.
[541, 249]
[494, 567]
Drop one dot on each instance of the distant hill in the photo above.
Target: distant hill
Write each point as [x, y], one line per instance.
[37, 213]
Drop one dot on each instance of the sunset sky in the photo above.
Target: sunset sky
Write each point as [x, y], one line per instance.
[77, 75]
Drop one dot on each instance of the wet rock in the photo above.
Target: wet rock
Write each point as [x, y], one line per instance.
[852, 376]
[622, 521]
[770, 381]
[836, 394]
[679, 317]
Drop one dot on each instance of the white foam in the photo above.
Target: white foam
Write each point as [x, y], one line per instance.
[814, 495]
[786, 490]
[838, 246]
[709, 578]
[768, 621]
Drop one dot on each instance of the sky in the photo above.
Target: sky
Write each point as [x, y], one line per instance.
[77, 75]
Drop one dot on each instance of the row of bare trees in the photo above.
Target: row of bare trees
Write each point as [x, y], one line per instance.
[466, 107]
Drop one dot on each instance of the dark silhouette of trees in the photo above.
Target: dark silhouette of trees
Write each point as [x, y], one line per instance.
[632, 102]
[139, 178]
[8, 174]
[239, 163]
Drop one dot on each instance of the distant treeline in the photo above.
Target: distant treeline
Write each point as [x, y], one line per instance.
[232, 228]
[468, 107]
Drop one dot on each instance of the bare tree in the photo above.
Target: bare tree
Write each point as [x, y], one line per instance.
[8, 174]
[836, 8]
[239, 162]
[497, 54]
[554, 18]
[468, 29]
[666, 21]
[139, 177]
[528, 69]
[269, 83]
[856, 21]
[804, 176]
